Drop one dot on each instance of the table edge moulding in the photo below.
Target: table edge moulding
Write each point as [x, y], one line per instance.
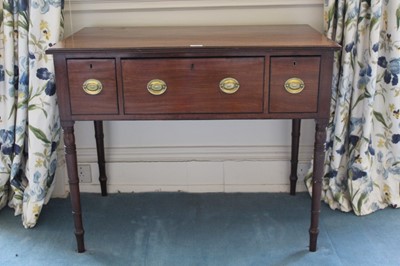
[177, 73]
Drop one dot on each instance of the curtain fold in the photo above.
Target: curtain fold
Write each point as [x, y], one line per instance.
[29, 120]
[362, 162]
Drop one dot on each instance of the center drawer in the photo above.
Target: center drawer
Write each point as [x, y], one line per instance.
[193, 85]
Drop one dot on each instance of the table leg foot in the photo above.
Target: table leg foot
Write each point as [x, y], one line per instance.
[313, 240]
[80, 241]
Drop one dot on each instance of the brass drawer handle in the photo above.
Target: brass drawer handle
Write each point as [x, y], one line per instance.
[294, 85]
[92, 86]
[156, 86]
[229, 85]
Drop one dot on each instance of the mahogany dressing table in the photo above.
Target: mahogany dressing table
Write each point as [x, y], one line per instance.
[174, 73]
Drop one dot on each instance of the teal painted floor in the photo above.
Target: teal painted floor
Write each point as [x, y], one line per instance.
[200, 229]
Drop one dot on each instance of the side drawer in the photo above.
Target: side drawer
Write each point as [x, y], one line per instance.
[193, 85]
[95, 101]
[294, 83]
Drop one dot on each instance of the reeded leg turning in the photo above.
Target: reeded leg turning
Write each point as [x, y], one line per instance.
[98, 129]
[318, 171]
[294, 161]
[73, 180]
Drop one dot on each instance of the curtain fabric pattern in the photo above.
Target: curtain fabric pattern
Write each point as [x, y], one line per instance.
[362, 163]
[29, 121]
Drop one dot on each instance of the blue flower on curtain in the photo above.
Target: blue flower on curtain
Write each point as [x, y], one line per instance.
[7, 141]
[396, 138]
[22, 5]
[2, 73]
[357, 173]
[45, 74]
[44, 6]
[29, 128]
[392, 69]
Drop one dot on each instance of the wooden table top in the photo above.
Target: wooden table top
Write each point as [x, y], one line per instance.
[276, 36]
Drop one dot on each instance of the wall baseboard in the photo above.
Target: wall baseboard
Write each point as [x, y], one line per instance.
[194, 169]
[280, 188]
[194, 153]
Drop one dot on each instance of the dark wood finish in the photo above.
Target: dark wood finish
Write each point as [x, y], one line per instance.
[73, 180]
[80, 70]
[294, 161]
[193, 59]
[193, 85]
[98, 130]
[276, 36]
[283, 68]
[319, 157]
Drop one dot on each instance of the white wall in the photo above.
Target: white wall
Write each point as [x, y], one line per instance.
[193, 156]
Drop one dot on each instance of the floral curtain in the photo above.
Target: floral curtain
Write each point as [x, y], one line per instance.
[29, 121]
[362, 163]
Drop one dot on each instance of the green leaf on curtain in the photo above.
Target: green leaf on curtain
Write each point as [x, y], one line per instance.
[374, 21]
[35, 107]
[19, 196]
[9, 24]
[367, 94]
[382, 94]
[338, 196]
[22, 104]
[7, 6]
[39, 134]
[398, 17]
[9, 73]
[347, 22]
[23, 20]
[361, 200]
[380, 118]
[39, 43]
[359, 99]
[331, 13]
[12, 111]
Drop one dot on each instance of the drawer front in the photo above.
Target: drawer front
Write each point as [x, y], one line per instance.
[95, 100]
[294, 83]
[193, 85]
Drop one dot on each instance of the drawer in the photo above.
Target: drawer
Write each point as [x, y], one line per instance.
[93, 100]
[294, 83]
[193, 85]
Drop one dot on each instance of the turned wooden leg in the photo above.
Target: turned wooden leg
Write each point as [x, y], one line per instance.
[294, 161]
[73, 180]
[318, 171]
[98, 129]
